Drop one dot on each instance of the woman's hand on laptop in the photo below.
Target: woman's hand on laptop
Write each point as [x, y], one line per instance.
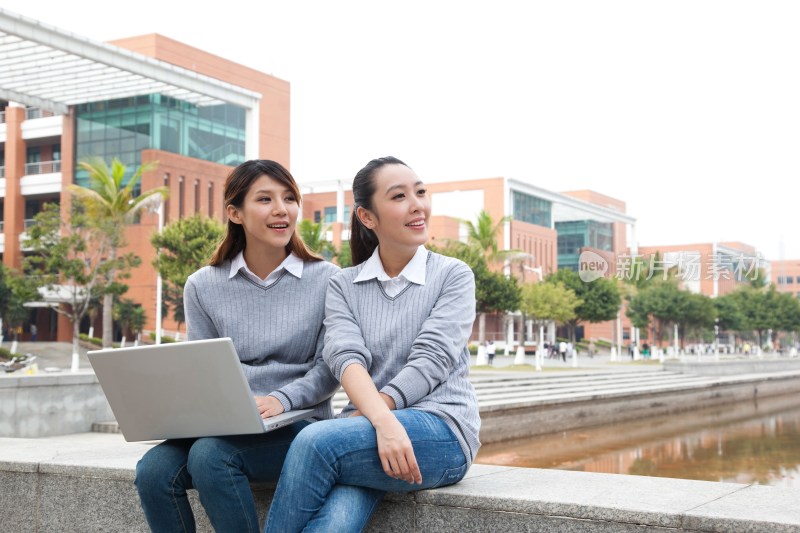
[268, 406]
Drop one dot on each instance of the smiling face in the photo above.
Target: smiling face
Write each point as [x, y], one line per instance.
[268, 215]
[401, 209]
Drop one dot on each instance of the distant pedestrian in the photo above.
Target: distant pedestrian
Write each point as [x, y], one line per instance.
[490, 349]
[592, 349]
[562, 350]
[34, 331]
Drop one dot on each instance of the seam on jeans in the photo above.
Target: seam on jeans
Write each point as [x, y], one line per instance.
[372, 511]
[461, 430]
[230, 480]
[175, 500]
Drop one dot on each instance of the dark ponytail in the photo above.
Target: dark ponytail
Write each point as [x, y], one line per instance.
[363, 240]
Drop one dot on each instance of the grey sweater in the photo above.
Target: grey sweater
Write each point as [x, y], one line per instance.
[277, 330]
[414, 345]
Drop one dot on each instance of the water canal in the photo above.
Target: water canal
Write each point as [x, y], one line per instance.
[753, 442]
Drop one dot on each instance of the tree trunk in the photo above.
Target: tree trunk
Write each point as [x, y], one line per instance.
[481, 329]
[108, 305]
[75, 344]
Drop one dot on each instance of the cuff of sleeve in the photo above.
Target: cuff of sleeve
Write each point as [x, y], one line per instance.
[395, 394]
[286, 402]
[345, 364]
[407, 387]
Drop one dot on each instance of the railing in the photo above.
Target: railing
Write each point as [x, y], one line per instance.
[42, 167]
[35, 112]
[2, 172]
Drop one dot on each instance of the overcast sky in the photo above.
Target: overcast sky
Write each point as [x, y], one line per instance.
[689, 111]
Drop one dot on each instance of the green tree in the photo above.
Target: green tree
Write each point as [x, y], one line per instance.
[313, 234]
[111, 205]
[600, 299]
[130, 316]
[15, 291]
[343, 256]
[482, 235]
[183, 247]
[549, 301]
[697, 314]
[69, 258]
[494, 292]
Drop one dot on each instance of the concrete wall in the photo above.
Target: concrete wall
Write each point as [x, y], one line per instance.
[47, 405]
[732, 368]
[85, 483]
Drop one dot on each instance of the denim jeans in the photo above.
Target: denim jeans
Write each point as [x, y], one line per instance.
[332, 479]
[220, 468]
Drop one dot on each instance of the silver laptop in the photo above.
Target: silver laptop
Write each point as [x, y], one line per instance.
[182, 390]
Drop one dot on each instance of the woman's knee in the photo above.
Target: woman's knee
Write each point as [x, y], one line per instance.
[159, 468]
[207, 457]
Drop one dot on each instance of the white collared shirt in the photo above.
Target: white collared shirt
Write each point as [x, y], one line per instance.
[292, 264]
[413, 272]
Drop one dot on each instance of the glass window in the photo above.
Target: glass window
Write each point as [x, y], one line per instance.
[180, 196]
[210, 199]
[531, 209]
[33, 154]
[789, 280]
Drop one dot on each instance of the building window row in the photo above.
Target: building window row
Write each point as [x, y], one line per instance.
[197, 207]
[788, 280]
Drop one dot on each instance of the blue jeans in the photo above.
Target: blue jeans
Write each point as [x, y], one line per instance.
[220, 468]
[332, 479]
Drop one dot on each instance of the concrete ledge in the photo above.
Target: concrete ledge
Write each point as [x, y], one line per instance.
[85, 483]
[732, 367]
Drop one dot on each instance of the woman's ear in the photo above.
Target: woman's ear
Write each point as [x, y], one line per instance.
[366, 217]
[233, 214]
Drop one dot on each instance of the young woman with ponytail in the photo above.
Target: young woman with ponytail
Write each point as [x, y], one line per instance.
[396, 332]
[248, 292]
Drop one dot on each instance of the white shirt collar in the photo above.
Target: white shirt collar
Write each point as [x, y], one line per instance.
[414, 271]
[292, 264]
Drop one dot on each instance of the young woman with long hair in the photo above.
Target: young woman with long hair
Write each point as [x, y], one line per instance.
[397, 326]
[248, 292]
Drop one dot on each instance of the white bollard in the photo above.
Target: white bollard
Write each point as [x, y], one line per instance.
[613, 357]
[122, 342]
[519, 358]
[481, 359]
[75, 362]
[91, 331]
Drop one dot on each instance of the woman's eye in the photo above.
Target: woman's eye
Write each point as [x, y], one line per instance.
[422, 192]
[263, 199]
[291, 199]
[398, 196]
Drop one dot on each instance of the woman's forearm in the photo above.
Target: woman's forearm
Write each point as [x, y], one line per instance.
[362, 392]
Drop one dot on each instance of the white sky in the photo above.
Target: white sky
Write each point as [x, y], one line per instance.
[687, 110]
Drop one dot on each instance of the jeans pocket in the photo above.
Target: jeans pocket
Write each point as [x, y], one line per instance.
[451, 476]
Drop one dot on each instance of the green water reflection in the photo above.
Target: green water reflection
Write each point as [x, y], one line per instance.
[742, 443]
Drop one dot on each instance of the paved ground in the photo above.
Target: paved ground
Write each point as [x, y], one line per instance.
[59, 355]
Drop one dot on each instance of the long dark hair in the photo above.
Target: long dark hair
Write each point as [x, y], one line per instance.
[237, 185]
[363, 240]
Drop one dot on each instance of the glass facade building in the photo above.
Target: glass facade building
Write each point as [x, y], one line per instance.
[532, 209]
[124, 127]
[576, 234]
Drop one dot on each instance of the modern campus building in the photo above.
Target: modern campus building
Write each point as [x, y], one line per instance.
[786, 276]
[64, 98]
[549, 229]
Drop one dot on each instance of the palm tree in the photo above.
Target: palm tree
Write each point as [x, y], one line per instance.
[313, 234]
[482, 234]
[112, 205]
